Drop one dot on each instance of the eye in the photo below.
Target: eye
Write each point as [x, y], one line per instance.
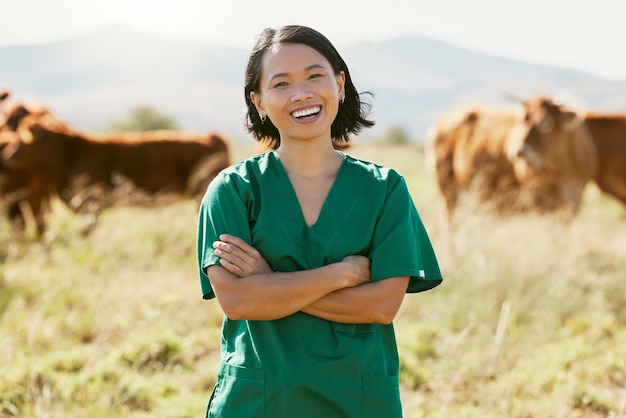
[280, 84]
[315, 75]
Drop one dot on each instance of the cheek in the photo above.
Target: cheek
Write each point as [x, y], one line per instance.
[270, 106]
[274, 100]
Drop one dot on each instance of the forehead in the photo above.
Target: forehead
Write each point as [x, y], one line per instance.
[289, 58]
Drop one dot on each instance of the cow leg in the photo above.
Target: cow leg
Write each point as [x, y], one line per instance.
[35, 204]
[35, 198]
[16, 217]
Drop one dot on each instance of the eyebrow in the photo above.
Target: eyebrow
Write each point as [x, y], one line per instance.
[309, 68]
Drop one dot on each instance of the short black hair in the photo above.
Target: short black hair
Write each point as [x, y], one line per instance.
[353, 112]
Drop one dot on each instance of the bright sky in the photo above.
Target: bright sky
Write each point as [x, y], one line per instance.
[585, 34]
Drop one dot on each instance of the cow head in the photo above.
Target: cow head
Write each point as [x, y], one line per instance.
[11, 154]
[15, 116]
[32, 147]
[20, 111]
[542, 133]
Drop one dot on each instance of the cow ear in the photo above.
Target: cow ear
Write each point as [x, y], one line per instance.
[521, 111]
[570, 120]
[26, 136]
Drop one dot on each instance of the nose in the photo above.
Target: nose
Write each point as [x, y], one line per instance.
[301, 91]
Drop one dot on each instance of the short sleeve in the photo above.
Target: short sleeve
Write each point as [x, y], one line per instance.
[400, 244]
[222, 210]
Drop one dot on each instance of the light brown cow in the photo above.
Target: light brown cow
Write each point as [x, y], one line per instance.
[609, 136]
[477, 150]
[552, 139]
[90, 173]
[465, 148]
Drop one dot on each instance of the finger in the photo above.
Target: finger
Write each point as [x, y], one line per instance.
[228, 248]
[236, 254]
[231, 239]
[232, 268]
[250, 261]
[234, 259]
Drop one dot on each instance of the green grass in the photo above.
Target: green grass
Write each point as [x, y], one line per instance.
[529, 322]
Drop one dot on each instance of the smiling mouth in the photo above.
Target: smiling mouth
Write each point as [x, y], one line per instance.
[306, 112]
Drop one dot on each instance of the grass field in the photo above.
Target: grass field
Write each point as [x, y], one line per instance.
[529, 322]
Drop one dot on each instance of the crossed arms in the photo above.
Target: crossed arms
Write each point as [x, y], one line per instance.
[247, 288]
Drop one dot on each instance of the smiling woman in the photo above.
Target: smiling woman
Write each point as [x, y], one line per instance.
[317, 250]
[298, 88]
[301, 77]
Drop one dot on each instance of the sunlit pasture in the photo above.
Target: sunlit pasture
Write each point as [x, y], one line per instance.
[530, 320]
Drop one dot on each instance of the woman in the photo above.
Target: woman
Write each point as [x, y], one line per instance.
[308, 250]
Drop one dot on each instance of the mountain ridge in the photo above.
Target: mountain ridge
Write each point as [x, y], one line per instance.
[90, 80]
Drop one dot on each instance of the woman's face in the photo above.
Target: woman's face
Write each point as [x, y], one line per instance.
[299, 92]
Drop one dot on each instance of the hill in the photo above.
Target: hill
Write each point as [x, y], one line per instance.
[91, 80]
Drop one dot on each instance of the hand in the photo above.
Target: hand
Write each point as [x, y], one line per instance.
[239, 258]
[359, 269]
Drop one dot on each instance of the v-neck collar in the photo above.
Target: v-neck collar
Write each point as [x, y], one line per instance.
[289, 193]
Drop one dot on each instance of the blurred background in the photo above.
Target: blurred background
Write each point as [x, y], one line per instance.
[108, 321]
[92, 62]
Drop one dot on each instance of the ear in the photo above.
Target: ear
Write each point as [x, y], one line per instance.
[258, 103]
[341, 84]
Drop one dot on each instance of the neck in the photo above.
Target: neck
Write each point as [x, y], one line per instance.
[309, 158]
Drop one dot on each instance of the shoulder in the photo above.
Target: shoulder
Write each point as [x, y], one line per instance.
[239, 178]
[245, 171]
[246, 167]
[373, 172]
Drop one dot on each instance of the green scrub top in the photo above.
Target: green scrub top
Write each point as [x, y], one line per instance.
[301, 366]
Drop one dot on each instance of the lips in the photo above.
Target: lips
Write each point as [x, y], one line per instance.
[306, 112]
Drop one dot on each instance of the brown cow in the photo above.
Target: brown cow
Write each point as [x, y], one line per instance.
[609, 135]
[90, 173]
[477, 149]
[21, 190]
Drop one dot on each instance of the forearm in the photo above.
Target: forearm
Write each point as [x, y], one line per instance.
[370, 303]
[269, 296]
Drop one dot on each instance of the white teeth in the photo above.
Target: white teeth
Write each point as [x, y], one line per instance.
[306, 112]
